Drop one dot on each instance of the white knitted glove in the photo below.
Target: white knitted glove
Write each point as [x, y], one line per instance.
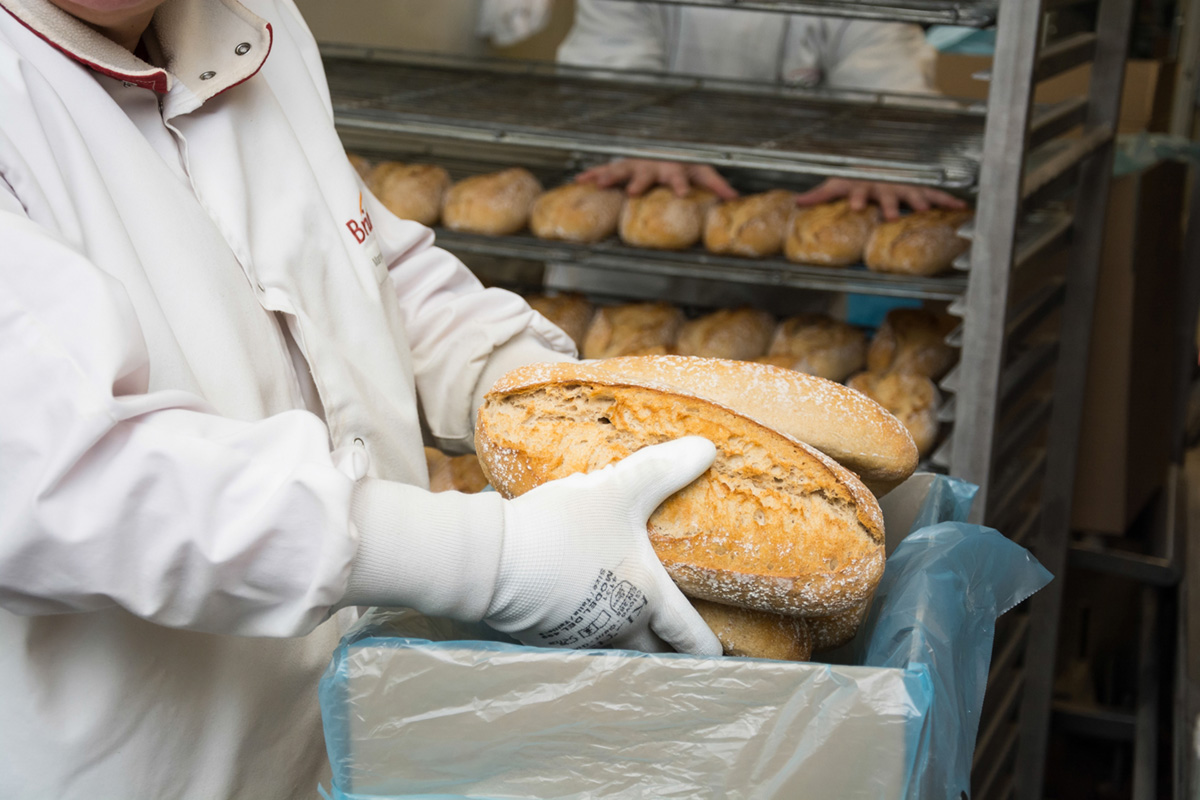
[577, 568]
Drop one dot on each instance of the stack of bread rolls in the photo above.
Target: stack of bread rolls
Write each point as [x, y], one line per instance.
[780, 542]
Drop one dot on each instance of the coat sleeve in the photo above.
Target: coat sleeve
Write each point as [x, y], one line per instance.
[618, 35]
[113, 496]
[879, 56]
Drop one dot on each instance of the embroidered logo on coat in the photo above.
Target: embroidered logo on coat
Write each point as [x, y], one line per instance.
[360, 228]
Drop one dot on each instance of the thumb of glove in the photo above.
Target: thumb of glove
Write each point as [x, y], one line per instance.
[654, 473]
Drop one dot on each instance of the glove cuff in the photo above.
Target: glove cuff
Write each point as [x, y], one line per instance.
[436, 553]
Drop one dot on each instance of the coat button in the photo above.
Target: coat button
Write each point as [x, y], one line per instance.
[242, 48]
[206, 75]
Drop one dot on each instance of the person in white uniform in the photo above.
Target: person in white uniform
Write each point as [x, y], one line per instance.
[796, 49]
[221, 358]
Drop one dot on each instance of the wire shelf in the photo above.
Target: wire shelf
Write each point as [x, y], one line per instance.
[924, 140]
[930, 12]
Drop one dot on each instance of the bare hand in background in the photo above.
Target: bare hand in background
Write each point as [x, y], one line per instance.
[889, 196]
[640, 174]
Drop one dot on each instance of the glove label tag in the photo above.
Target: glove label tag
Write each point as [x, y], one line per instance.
[610, 606]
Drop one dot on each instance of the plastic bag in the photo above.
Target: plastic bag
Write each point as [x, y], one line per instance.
[420, 707]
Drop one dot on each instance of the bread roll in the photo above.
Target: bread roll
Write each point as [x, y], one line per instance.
[912, 340]
[922, 243]
[456, 474]
[912, 399]
[845, 425]
[737, 333]
[819, 345]
[496, 204]
[410, 191]
[361, 165]
[773, 525]
[750, 226]
[576, 212]
[633, 329]
[571, 312]
[661, 220]
[756, 634]
[829, 234]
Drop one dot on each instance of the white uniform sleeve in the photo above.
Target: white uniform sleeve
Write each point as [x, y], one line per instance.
[879, 56]
[114, 497]
[618, 35]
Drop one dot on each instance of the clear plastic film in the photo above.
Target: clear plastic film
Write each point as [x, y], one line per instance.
[415, 707]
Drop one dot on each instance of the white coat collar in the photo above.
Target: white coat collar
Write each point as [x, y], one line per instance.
[193, 38]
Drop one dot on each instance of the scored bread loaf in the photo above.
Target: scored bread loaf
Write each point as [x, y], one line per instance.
[569, 311]
[576, 212]
[773, 525]
[819, 345]
[921, 243]
[662, 220]
[632, 329]
[829, 234]
[750, 226]
[756, 634]
[845, 425]
[410, 191]
[497, 203]
[737, 333]
[913, 399]
[912, 340]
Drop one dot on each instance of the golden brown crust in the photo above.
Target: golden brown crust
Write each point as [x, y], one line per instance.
[836, 630]
[773, 525]
[751, 226]
[912, 340]
[845, 425]
[820, 346]
[913, 399]
[361, 165]
[632, 329]
[576, 212]
[921, 243]
[736, 333]
[661, 220]
[461, 473]
[829, 234]
[410, 191]
[756, 634]
[571, 312]
[496, 204]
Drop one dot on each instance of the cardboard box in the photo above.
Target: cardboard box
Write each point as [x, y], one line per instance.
[1145, 98]
[1126, 439]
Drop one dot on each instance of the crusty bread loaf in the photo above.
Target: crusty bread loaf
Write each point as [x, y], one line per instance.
[829, 234]
[819, 345]
[410, 191]
[497, 203]
[756, 634]
[773, 525]
[455, 473]
[845, 425]
[750, 226]
[913, 399]
[361, 165]
[921, 243]
[632, 329]
[576, 212]
[835, 630]
[569, 311]
[912, 340]
[737, 333]
[661, 220]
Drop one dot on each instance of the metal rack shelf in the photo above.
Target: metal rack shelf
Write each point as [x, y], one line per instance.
[930, 12]
[914, 139]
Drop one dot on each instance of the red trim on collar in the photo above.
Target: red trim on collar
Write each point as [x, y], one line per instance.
[270, 42]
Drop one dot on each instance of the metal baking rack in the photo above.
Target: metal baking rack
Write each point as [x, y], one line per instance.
[929, 12]
[1025, 291]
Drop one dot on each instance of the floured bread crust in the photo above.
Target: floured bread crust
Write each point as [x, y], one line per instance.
[829, 234]
[497, 203]
[751, 226]
[757, 634]
[576, 212]
[921, 243]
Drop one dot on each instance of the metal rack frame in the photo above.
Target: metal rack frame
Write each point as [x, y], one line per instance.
[1025, 291]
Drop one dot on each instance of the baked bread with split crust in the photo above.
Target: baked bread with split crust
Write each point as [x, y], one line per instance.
[913, 340]
[737, 333]
[576, 212]
[829, 234]
[773, 525]
[632, 329]
[913, 399]
[849, 427]
[751, 226]
[756, 634]
[410, 191]
[569, 311]
[496, 204]
[819, 345]
[661, 220]
[921, 243]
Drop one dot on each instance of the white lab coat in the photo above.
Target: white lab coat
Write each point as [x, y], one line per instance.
[752, 45]
[209, 333]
